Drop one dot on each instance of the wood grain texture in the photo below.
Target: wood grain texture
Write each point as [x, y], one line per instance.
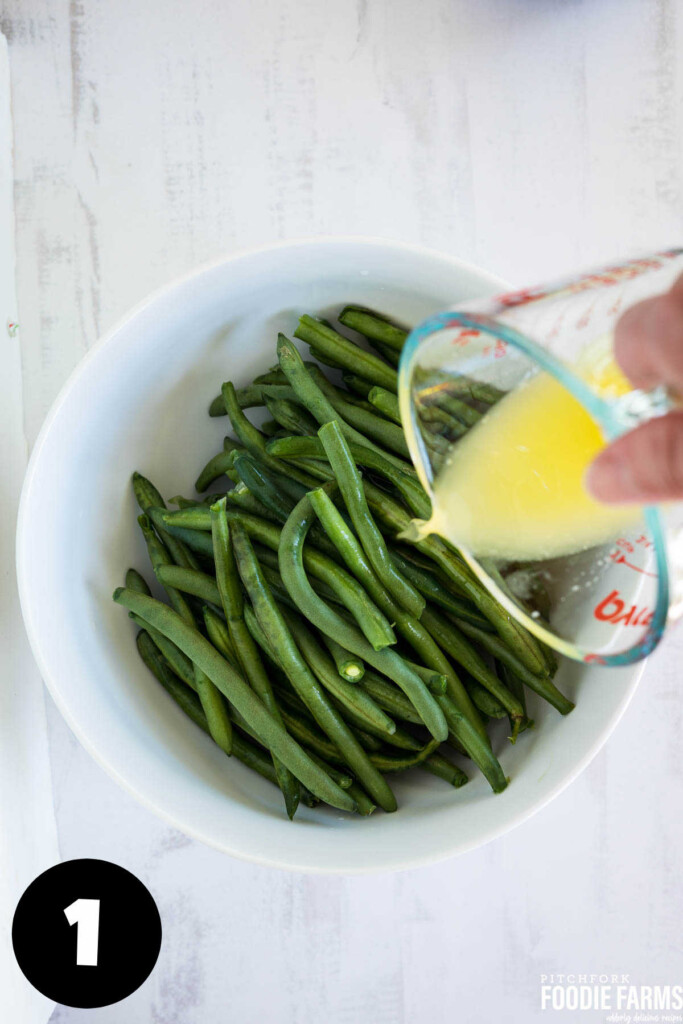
[530, 137]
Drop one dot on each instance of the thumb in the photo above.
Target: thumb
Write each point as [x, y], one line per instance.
[644, 466]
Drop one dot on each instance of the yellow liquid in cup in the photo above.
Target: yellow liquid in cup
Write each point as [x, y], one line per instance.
[513, 487]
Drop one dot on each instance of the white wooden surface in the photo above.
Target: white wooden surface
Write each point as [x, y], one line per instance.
[531, 136]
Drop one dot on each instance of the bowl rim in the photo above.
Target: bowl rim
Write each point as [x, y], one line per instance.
[445, 850]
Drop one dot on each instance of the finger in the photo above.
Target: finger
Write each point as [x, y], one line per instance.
[644, 466]
[648, 341]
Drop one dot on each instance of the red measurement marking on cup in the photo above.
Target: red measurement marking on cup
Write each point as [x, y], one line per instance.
[629, 547]
[520, 298]
[613, 609]
[499, 349]
[610, 275]
[465, 335]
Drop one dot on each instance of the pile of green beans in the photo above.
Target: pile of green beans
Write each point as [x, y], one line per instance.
[298, 631]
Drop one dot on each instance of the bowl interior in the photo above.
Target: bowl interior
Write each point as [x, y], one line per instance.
[139, 401]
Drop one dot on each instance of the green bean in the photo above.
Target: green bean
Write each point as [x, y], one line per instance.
[364, 804]
[350, 696]
[249, 397]
[291, 416]
[135, 581]
[432, 588]
[349, 592]
[490, 705]
[219, 635]
[370, 537]
[454, 643]
[238, 693]
[213, 705]
[305, 732]
[541, 685]
[252, 439]
[147, 496]
[399, 763]
[334, 393]
[189, 703]
[398, 520]
[158, 556]
[443, 769]
[269, 560]
[348, 665]
[272, 376]
[304, 729]
[325, 359]
[196, 541]
[478, 390]
[434, 390]
[280, 593]
[146, 493]
[316, 402]
[386, 402]
[298, 672]
[292, 570]
[373, 326]
[373, 623]
[254, 627]
[389, 697]
[439, 421]
[377, 428]
[231, 600]
[189, 581]
[320, 566]
[358, 385]
[211, 699]
[478, 749]
[405, 482]
[374, 740]
[182, 502]
[516, 686]
[350, 399]
[343, 779]
[270, 428]
[408, 625]
[345, 352]
[242, 498]
[180, 664]
[368, 742]
[455, 408]
[157, 664]
[388, 354]
[436, 682]
[216, 467]
[277, 493]
[261, 485]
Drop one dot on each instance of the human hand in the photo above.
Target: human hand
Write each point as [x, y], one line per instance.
[646, 465]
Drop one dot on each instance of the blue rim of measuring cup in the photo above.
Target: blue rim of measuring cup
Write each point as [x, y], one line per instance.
[605, 415]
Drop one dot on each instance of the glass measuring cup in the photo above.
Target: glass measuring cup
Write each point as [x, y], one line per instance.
[602, 598]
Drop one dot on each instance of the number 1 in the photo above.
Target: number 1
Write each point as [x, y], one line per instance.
[85, 914]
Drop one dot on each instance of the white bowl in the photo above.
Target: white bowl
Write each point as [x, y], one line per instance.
[139, 401]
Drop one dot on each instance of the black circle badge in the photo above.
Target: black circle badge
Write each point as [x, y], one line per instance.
[86, 933]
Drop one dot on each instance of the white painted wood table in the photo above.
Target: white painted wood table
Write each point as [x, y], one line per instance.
[530, 136]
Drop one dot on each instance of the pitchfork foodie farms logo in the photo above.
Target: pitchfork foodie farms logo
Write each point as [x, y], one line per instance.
[623, 1001]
